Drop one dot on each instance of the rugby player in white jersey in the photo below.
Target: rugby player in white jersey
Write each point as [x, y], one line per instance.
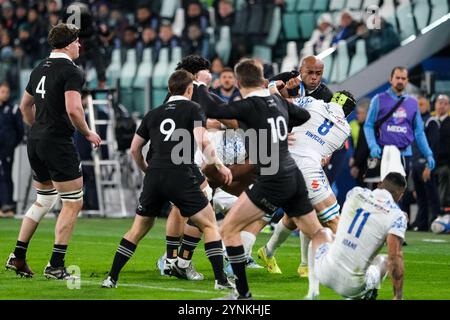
[325, 132]
[350, 265]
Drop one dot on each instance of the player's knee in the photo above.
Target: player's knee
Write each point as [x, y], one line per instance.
[45, 201]
[72, 199]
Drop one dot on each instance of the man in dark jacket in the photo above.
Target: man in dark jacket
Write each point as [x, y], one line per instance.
[425, 180]
[11, 134]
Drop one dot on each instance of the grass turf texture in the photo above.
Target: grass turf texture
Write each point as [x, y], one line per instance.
[93, 245]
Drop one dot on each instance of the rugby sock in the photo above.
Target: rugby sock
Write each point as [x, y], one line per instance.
[21, 249]
[59, 252]
[304, 244]
[188, 245]
[237, 258]
[279, 236]
[214, 252]
[313, 289]
[123, 254]
[172, 244]
[248, 240]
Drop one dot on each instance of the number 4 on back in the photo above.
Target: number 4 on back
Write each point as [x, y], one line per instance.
[41, 87]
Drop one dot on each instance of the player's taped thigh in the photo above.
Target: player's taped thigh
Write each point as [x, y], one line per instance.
[329, 213]
[72, 196]
[45, 201]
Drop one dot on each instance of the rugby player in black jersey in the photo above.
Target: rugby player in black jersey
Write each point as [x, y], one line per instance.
[170, 175]
[280, 182]
[51, 105]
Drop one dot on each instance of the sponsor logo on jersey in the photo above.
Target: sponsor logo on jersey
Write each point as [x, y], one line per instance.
[400, 115]
[315, 184]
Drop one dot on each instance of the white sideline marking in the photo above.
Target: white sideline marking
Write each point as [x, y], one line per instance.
[434, 240]
[135, 285]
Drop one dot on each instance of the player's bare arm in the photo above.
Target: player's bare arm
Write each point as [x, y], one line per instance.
[136, 151]
[209, 152]
[75, 111]
[27, 109]
[395, 264]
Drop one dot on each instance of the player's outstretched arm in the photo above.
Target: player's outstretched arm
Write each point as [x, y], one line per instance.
[136, 151]
[297, 115]
[26, 107]
[209, 153]
[75, 111]
[395, 264]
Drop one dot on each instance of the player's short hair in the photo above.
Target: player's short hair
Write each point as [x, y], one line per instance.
[5, 84]
[227, 69]
[179, 81]
[63, 34]
[396, 180]
[193, 64]
[249, 73]
[401, 68]
[346, 100]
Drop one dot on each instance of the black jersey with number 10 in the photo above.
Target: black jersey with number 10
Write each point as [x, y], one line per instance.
[48, 83]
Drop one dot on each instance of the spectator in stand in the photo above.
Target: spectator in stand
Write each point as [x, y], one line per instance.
[378, 41]
[216, 68]
[8, 19]
[54, 7]
[442, 109]
[21, 14]
[358, 162]
[166, 39]
[425, 184]
[321, 37]
[6, 47]
[28, 47]
[195, 14]
[346, 31]
[224, 13]
[227, 90]
[148, 40]
[118, 23]
[195, 42]
[146, 18]
[129, 41]
[38, 30]
[11, 134]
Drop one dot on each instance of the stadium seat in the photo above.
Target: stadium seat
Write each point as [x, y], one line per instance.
[168, 8]
[372, 3]
[144, 70]
[307, 23]
[223, 46]
[353, 4]
[406, 21]
[263, 52]
[290, 26]
[422, 12]
[275, 28]
[328, 65]
[320, 5]
[290, 61]
[290, 5]
[113, 70]
[304, 5]
[178, 22]
[160, 71]
[129, 69]
[388, 8]
[341, 63]
[439, 8]
[91, 78]
[158, 96]
[359, 59]
[336, 5]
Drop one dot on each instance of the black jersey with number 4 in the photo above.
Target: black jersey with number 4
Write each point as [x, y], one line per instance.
[48, 83]
[160, 126]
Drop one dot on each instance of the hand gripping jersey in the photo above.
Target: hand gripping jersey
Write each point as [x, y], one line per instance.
[366, 220]
[325, 132]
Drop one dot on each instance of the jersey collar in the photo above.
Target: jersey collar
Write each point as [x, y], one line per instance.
[58, 55]
[175, 98]
[258, 93]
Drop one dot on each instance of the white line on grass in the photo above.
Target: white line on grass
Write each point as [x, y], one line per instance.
[135, 285]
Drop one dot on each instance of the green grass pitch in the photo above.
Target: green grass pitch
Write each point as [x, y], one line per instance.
[92, 248]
